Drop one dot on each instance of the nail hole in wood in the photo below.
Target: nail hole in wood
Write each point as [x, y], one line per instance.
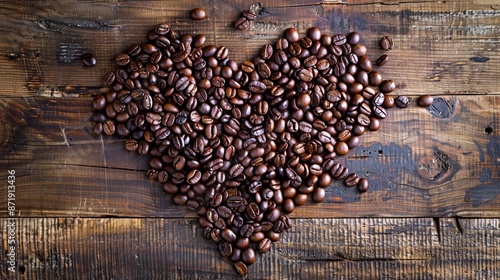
[488, 130]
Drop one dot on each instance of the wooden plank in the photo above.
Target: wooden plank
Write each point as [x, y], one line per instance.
[373, 248]
[446, 47]
[419, 164]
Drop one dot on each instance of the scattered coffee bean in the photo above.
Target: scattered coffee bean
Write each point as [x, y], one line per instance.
[402, 101]
[362, 185]
[89, 60]
[198, 14]
[425, 100]
[382, 60]
[386, 43]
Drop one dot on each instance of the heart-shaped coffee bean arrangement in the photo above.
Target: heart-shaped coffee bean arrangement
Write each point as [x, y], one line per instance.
[243, 145]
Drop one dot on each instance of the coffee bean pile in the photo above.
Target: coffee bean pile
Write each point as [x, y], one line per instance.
[244, 144]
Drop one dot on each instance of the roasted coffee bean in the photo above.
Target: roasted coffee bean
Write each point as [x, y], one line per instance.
[198, 14]
[265, 245]
[339, 39]
[122, 59]
[382, 60]
[386, 43]
[425, 100]
[387, 86]
[402, 101]
[242, 23]
[292, 35]
[379, 112]
[241, 268]
[374, 78]
[89, 60]
[362, 185]
[378, 99]
[351, 180]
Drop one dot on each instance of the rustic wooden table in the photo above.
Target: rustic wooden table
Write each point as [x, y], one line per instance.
[84, 210]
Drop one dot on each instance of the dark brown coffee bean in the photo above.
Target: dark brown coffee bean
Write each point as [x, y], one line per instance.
[378, 99]
[265, 245]
[131, 145]
[339, 171]
[425, 100]
[266, 52]
[363, 119]
[374, 78]
[122, 59]
[248, 256]
[339, 39]
[241, 268]
[389, 102]
[318, 195]
[402, 101]
[387, 86]
[379, 112]
[193, 177]
[386, 43]
[351, 180]
[382, 60]
[363, 185]
[253, 210]
[292, 35]
[250, 15]
[198, 14]
[246, 230]
[242, 23]
[89, 60]
[228, 235]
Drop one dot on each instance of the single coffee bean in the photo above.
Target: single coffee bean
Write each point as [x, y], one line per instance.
[265, 245]
[292, 35]
[242, 23]
[402, 101]
[122, 59]
[386, 43]
[318, 195]
[351, 180]
[387, 86]
[389, 102]
[89, 60]
[425, 100]
[250, 15]
[131, 144]
[382, 60]
[363, 185]
[198, 14]
[379, 112]
[339, 39]
[241, 268]
[374, 78]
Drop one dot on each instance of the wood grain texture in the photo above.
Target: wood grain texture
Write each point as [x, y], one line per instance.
[85, 210]
[372, 248]
[419, 164]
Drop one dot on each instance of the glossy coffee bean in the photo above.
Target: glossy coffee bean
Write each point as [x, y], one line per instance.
[386, 43]
[363, 185]
[89, 60]
[402, 101]
[351, 180]
[387, 86]
[425, 100]
[198, 14]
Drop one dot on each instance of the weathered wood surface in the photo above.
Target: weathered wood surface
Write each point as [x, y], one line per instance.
[371, 248]
[418, 165]
[437, 162]
[441, 163]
